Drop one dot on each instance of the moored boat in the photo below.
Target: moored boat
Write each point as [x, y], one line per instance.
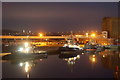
[70, 45]
[91, 46]
[26, 51]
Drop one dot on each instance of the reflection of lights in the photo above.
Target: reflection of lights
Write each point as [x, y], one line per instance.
[71, 62]
[28, 76]
[103, 56]
[93, 59]
[72, 59]
[26, 67]
[93, 55]
[82, 53]
[21, 64]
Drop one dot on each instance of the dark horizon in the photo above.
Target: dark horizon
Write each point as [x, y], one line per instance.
[56, 16]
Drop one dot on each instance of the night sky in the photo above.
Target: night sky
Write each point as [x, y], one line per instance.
[53, 17]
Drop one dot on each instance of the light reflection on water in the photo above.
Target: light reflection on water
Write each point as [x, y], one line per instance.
[103, 64]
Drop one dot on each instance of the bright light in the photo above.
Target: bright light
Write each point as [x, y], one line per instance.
[26, 67]
[78, 35]
[75, 58]
[28, 76]
[65, 45]
[78, 56]
[70, 59]
[27, 50]
[27, 36]
[40, 59]
[86, 34]
[93, 35]
[104, 36]
[82, 53]
[20, 49]
[104, 43]
[40, 34]
[21, 64]
[41, 51]
[93, 59]
[103, 56]
[26, 44]
[93, 55]
[66, 59]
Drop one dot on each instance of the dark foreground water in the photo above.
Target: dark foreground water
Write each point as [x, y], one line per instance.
[103, 64]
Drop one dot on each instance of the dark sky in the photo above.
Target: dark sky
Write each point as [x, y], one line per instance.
[53, 17]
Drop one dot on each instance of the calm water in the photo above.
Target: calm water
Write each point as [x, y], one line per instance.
[103, 64]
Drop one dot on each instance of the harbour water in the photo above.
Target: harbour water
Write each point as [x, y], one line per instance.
[86, 64]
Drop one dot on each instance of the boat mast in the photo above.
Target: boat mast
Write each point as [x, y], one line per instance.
[70, 39]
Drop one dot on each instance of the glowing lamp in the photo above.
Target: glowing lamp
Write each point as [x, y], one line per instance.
[40, 34]
[93, 35]
[86, 34]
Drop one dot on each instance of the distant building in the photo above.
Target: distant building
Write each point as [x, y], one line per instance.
[105, 34]
[111, 25]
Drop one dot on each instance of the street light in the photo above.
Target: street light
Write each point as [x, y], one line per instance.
[40, 34]
[93, 35]
[86, 34]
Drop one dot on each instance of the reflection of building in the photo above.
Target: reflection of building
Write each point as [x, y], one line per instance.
[111, 25]
[110, 60]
